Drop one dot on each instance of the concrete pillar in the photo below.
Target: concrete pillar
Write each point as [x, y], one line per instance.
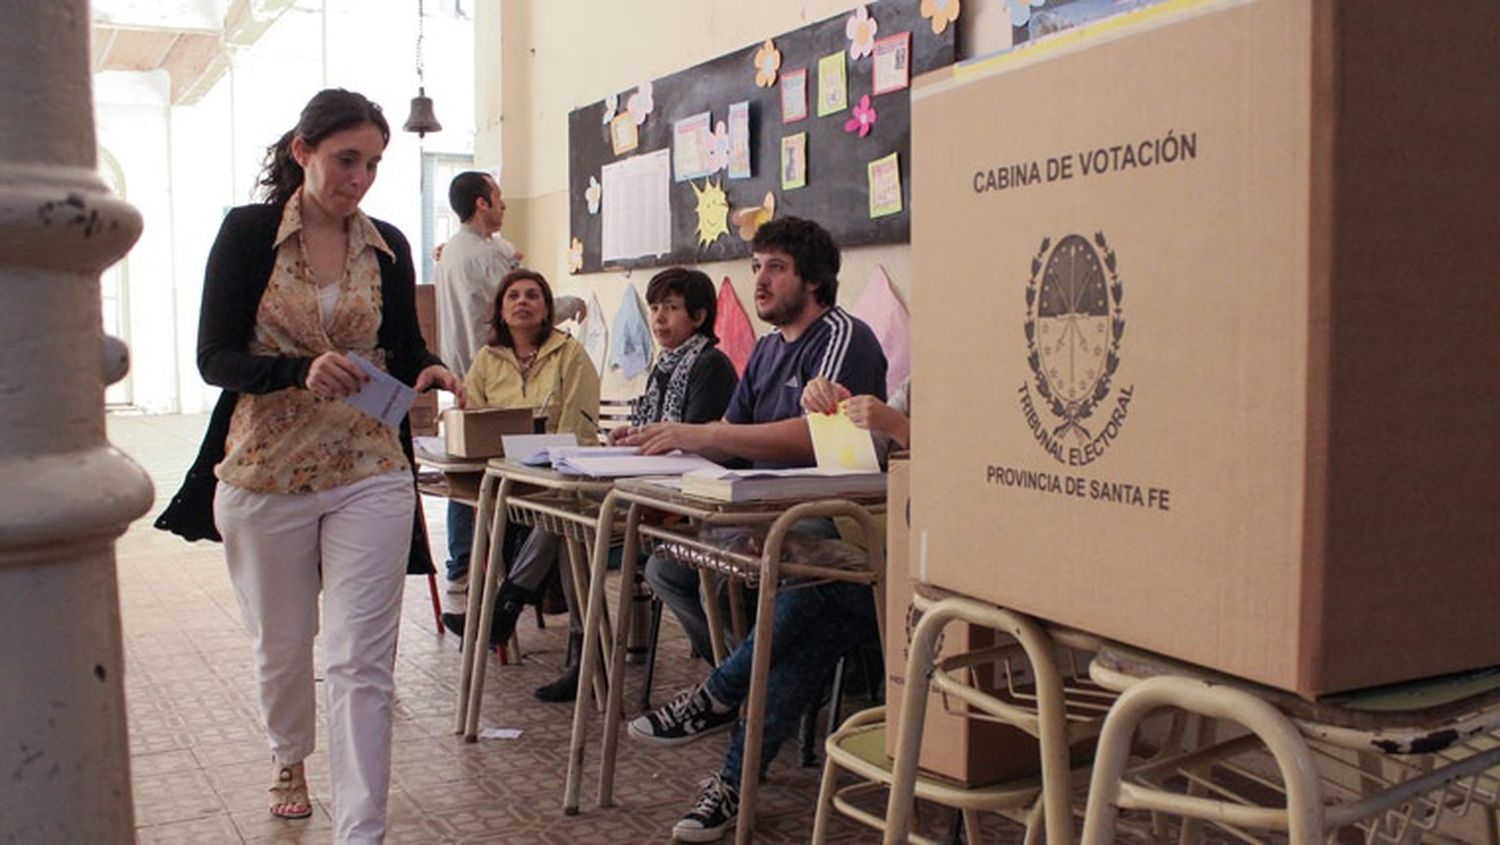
[65, 494]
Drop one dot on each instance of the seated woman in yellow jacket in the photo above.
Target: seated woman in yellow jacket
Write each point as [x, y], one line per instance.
[526, 363]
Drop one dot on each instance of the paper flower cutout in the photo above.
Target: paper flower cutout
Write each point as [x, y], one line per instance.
[575, 256]
[942, 13]
[713, 212]
[1020, 10]
[863, 119]
[861, 33]
[611, 104]
[594, 192]
[750, 219]
[718, 147]
[767, 62]
[640, 103]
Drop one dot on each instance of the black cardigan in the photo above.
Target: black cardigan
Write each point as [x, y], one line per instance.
[710, 385]
[239, 267]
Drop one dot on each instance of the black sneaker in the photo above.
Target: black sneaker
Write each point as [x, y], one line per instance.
[715, 810]
[688, 717]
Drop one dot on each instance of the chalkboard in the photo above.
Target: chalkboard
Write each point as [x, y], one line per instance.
[837, 184]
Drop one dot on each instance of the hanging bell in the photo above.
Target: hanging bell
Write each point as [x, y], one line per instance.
[422, 120]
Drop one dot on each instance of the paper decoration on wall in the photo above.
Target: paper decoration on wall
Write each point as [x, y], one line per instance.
[593, 334]
[750, 219]
[736, 337]
[575, 256]
[892, 63]
[794, 95]
[690, 142]
[630, 346]
[794, 160]
[885, 314]
[713, 212]
[833, 85]
[860, 30]
[885, 186]
[640, 103]
[593, 193]
[767, 62]
[636, 214]
[623, 133]
[941, 13]
[739, 140]
[863, 117]
[611, 103]
[718, 148]
[1020, 10]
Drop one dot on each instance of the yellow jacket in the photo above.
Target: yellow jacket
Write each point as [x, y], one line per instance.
[562, 384]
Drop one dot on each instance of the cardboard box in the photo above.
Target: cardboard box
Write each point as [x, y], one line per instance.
[476, 432]
[967, 751]
[423, 415]
[1229, 273]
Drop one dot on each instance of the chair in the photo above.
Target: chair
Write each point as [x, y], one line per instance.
[1389, 763]
[1060, 708]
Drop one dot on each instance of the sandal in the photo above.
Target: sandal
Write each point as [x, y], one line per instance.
[289, 793]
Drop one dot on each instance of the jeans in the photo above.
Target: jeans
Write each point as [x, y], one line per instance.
[811, 628]
[460, 538]
[677, 585]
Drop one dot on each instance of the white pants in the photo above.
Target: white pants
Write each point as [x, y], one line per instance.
[361, 536]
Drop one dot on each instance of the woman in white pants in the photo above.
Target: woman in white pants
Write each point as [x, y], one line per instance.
[314, 496]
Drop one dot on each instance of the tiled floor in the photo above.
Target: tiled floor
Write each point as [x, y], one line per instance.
[199, 761]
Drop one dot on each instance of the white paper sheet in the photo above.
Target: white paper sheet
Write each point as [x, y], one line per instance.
[625, 466]
[531, 449]
[382, 397]
[637, 219]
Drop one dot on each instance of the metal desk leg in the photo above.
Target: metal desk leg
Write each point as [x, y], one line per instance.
[479, 553]
[494, 569]
[613, 708]
[760, 670]
[909, 731]
[580, 576]
[708, 588]
[593, 611]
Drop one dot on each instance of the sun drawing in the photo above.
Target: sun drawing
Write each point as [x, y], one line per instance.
[713, 212]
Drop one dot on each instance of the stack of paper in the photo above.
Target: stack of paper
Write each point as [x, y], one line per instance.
[589, 462]
[747, 485]
[847, 466]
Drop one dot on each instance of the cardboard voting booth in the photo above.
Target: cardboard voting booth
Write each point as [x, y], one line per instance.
[1204, 334]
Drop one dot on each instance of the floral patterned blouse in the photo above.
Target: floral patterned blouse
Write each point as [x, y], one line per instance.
[293, 441]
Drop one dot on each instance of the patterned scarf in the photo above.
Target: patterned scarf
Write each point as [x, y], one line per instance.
[673, 367]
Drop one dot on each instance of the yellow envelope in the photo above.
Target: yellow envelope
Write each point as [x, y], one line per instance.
[840, 445]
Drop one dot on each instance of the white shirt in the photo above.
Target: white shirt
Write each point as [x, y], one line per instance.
[468, 275]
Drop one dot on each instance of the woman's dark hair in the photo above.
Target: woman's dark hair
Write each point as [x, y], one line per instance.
[329, 111]
[697, 294]
[499, 332]
[811, 248]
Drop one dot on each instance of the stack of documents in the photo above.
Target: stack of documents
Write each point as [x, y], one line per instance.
[847, 466]
[748, 485]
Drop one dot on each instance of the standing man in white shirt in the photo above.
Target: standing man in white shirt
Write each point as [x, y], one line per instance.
[469, 268]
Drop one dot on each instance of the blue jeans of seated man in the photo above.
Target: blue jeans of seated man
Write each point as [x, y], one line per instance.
[677, 585]
[811, 628]
[460, 538]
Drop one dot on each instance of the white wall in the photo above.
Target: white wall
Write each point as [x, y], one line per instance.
[185, 165]
[132, 127]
